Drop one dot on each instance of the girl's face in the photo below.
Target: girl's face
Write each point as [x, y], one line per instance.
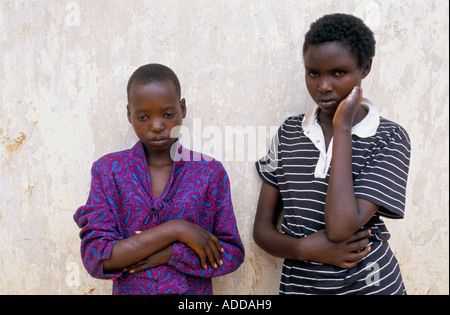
[154, 110]
[331, 72]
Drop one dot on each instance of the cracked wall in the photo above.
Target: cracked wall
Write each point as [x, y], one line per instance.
[64, 69]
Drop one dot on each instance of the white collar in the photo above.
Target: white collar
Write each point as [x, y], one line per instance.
[365, 128]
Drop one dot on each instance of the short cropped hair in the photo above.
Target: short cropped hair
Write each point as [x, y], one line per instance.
[153, 73]
[346, 29]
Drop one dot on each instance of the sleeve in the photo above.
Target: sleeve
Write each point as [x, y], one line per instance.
[218, 218]
[268, 164]
[99, 230]
[383, 181]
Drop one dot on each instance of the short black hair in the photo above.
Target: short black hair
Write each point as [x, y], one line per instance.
[153, 72]
[346, 29]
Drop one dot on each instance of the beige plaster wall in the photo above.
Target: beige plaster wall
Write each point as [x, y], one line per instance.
[64, 67]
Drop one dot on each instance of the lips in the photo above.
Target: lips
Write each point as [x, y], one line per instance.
[158, 140]
[327, 102]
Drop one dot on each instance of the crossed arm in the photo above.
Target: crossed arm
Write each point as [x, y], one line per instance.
[153, 247]
[316, 247]
[340, 243]
[185, 246]
[344, 213]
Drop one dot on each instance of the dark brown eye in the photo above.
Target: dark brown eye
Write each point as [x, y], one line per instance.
[339, 73]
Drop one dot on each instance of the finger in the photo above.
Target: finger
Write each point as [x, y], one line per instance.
[354, 96]
[216, 253]
[356, 257]
[128, 268]
[358, 93]
[210, 255]
[359, 235]
[348, 265]
[202, 257]
[217, 242]
[132, 268]
[140, 268]
[217, 247]
[358, 245]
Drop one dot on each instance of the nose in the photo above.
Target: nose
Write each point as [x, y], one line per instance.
[325, 85]
[156, 126]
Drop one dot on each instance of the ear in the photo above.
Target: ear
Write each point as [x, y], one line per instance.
[129, 113]
[183, 107]
[366, 68]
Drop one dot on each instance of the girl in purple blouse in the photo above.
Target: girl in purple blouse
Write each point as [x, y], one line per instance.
[156, 223]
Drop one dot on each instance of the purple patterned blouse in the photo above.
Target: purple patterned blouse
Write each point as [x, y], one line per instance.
[121, 202]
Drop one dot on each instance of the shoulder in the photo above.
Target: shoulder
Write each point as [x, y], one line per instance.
[394, 140]
[112, 162]
[293, 121]
[393, 129]
[202, 163]
[292, 124]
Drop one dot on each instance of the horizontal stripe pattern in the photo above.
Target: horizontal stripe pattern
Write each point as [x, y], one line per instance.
[380, 166]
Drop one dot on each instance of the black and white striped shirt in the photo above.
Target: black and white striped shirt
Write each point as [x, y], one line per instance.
[299, 166]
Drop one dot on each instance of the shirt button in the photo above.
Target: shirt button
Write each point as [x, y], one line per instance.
[318, 141]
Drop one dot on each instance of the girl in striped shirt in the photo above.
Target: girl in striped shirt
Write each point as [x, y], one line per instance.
[335, 171]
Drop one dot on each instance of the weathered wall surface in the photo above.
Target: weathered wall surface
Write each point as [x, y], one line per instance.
[64, 68]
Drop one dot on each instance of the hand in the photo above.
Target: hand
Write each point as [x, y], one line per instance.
[345, 255]
[157, 259]
[205, 244]
[347, 109]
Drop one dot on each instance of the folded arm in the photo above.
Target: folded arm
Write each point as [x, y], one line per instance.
[344, 213]
[316, 247]
[217, 217]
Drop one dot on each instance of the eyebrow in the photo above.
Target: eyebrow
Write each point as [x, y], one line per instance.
[335, 69]
[144, 110]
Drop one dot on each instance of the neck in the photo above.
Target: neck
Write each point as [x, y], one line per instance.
[159, 159]
[360, 114]
[324, 119]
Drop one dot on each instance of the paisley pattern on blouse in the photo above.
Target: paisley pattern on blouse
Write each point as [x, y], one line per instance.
[121, 202]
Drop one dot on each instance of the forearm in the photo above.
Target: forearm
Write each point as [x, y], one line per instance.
[187, 261]
[278, 244]
[228, 242]
[133, 249]
[265, 232]
[342, 217]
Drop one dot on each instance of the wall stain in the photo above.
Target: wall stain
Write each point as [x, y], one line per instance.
[13, 145]
[29, 190]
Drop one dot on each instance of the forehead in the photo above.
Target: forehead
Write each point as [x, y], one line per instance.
[156, 90]
[329, 55]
